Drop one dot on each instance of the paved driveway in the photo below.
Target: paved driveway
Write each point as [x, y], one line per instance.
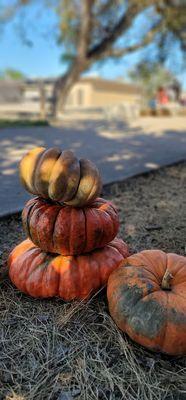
[119, 150]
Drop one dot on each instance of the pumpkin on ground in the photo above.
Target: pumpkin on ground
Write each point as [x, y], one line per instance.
[41, 274]
[147, 300]
[60, 176]
[68, 230]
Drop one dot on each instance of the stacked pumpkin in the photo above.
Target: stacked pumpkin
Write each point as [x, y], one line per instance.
[72, 247]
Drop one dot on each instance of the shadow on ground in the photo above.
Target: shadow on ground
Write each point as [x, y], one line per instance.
[118, 149]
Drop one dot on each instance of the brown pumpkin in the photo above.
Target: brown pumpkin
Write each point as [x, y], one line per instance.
[60, 176]
[67, 230]
[147, 300]
[41, 274]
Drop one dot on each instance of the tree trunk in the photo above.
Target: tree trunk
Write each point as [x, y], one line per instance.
[63, 85]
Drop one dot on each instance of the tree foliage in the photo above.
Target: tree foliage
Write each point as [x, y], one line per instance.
[13, 74]
[151, 76]
[93, 27]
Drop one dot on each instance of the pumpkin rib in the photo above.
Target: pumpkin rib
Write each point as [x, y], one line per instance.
[39, 232]
[53, 228]
[55, 238]
[93, 167]
[81, 273]
[150, 261]
[71, 232]
[33, 177]
[24, 272]
[100, 224]
[178, 272]
[156, 281]
[49, 182]
[58, 284]
[35, 217]
[178, 286]
[85, 241]
[94, 188]
[82, 196]
[116, 242]
[40, 183]
[110, 215]
[35, 269]
[97, 272]
[30, 249]
[27, 181]
[180, 295]
[75, 189]
[146, 295]
[66, 169]
[144, 257]
[28, 220]
[51, 172]
[103, 216]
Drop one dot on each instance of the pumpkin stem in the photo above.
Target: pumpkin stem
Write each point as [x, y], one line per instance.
[166, 281]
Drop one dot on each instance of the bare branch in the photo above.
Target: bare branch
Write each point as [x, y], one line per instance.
[85, 27]
[123, 24]
[104, 8]
[144, 42]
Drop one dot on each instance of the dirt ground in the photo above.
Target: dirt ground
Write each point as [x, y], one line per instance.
[53, 350]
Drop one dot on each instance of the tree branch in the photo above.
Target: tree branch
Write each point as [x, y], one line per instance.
[123, 24]
[104, 8]
[126, 50]
[85, 27]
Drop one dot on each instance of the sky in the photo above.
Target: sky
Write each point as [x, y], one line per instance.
[42, 57]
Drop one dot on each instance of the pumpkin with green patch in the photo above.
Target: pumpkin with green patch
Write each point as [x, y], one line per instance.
[147, 300]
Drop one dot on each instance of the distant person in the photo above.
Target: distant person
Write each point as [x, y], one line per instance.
[162, 96]
[152, 105]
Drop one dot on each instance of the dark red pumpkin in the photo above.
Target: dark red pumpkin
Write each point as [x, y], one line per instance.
[68, 230]
[41, 274]
[147, 300]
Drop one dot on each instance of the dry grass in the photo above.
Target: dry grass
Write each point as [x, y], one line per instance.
[58, 351]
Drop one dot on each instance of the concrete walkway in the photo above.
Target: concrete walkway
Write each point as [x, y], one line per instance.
[119, 150]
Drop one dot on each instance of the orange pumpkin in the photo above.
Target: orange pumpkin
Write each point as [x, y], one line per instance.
[147, 300]
[60, 176]
[41, 274]
[67, 230]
